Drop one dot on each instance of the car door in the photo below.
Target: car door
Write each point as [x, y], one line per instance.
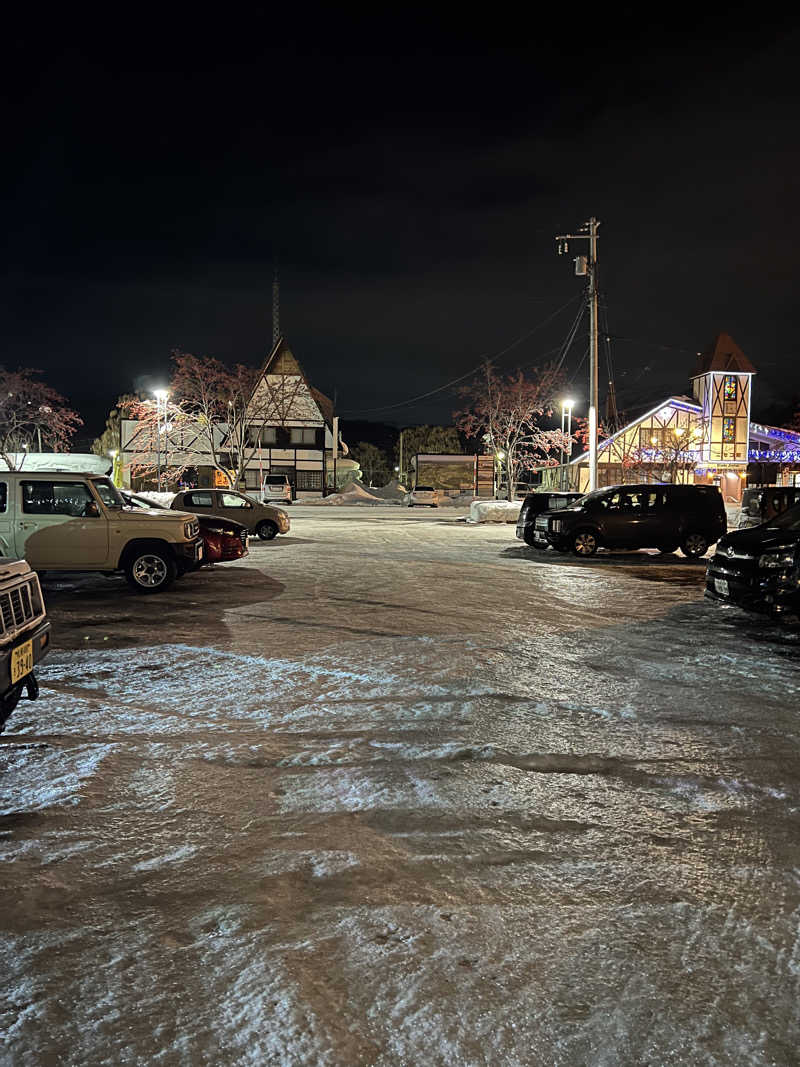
[60, 524]
[607, 513]
[198, 502]
[642, 508]
[6, 522]
[235, 506]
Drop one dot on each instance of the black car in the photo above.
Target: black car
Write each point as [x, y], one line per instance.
[689, 517]
[534, 504]
[759, 568]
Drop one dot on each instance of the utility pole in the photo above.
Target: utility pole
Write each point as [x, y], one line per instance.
[587, 265]
[402, 475]
[335, 449]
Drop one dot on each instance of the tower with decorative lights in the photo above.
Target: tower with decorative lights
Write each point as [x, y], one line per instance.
[722, 387]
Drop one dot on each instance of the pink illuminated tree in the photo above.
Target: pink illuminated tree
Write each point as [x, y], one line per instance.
[33, 417]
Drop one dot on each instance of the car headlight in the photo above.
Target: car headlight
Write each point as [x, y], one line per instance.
[782, 558]
[555, 525]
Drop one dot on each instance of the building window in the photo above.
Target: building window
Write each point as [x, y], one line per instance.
[729, 387]
[303, 436]
[309, 480]
[729, 430]
[651, 437]
[267, 434]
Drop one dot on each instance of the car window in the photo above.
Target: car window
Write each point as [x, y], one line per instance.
[57, 498]
[233, 500]
[198, 500]
[108, 493]
[556, 502]
[3, 496]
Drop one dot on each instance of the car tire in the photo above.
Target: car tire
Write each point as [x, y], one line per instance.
[529, 538]
[267, 530]
[584, 543]
[694, 545]
[150, 570]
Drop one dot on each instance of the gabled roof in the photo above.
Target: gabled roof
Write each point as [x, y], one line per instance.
[281, 360]
[684, 403]
[723, 354]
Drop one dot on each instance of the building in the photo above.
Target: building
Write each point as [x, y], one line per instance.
[292, 435]
[706, 438]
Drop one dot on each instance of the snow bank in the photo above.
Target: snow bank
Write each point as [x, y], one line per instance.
[164, 499]
[494, 510]
[394, 491]
[353, 493]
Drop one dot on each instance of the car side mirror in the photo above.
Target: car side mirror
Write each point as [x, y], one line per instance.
[91, 511]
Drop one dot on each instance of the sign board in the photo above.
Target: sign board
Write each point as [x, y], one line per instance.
[484, 482]
[223, 482]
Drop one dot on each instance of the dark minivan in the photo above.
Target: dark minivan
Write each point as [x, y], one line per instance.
[664, 516]
[534, 504]
[759, 569]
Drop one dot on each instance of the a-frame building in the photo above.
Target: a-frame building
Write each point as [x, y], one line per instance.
[291, 426]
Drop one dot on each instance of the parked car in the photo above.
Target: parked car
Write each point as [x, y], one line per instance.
[262, 519]
[424, 496]
[759, 568]
[761, 503]
[666, 517]
[223, 539]
[534, 504]
[64, 521]
[276, 487]
[24, 634]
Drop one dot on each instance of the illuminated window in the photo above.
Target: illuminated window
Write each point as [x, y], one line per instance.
[729, 388]
[729, 430]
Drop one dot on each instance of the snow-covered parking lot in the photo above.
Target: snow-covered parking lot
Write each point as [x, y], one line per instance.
[397, 789]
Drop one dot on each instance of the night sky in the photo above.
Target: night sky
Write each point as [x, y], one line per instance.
[410, 173]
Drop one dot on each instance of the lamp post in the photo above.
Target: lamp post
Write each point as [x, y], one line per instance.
[566, 427]
[499, 465]
[161, 398]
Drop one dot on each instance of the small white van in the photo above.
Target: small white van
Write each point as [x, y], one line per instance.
[276, 487]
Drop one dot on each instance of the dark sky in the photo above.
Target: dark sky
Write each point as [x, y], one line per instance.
[410, 172]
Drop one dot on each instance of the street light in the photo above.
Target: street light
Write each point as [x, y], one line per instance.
[161, 398]
[566, 427]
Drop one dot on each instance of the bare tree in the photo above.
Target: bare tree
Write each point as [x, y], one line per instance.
[508, 411]
[32, 417]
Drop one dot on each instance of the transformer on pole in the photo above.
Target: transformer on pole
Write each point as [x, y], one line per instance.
[587, 265]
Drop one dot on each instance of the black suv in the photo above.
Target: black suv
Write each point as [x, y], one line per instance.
[759, 568]
[534, 504]
[666, 517]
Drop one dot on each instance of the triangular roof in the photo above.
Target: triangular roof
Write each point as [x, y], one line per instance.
[281, 360]
[723, 354]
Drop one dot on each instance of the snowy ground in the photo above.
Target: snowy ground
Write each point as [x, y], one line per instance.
[400, 790]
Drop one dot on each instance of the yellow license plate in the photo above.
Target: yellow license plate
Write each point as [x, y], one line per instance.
[21, 661]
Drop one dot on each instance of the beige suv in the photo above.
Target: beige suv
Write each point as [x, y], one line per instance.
[262, 519]
[62, 521]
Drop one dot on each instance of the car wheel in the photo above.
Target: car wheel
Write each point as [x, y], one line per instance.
[266, 530]
[529, 539]
[150, 570]
[694, 545]
[584, 543]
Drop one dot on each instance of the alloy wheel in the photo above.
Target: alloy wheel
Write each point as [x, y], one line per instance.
[150, 571]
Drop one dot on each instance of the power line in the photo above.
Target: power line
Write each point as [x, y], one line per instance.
[474, 370]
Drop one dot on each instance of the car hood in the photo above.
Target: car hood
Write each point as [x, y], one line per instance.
[758, 539]
[158, 514]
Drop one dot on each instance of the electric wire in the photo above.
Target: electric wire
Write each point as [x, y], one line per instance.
[455, 381]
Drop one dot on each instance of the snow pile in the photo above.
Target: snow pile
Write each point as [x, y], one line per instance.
[353, 493]
[164, 499]
[494, 510]
[394, 491]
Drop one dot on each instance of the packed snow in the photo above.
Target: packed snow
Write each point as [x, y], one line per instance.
[392, 790]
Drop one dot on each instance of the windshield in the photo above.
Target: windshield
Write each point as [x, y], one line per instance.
[581, 502]
[108, 493]
[787, 520]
